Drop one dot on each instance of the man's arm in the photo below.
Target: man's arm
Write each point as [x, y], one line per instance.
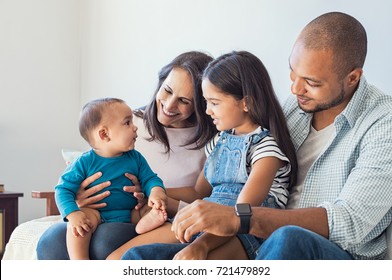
[264, 220]
[206, 216]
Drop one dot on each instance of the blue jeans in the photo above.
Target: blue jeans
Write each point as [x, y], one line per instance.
[296, 243]
[107, 238]
[286, 243]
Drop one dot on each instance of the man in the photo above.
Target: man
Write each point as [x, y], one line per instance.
[341, 127]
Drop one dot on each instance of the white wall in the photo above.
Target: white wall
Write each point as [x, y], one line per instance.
[56, 55]
[39, 94]
[126, 42]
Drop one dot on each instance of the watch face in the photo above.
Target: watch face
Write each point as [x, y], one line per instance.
[243, 208]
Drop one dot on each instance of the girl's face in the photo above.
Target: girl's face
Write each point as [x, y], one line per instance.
[226, 111]
[175, 99]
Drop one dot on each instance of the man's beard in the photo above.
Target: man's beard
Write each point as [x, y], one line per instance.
[325, 106]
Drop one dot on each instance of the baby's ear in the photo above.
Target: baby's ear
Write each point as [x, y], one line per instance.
[103, 134]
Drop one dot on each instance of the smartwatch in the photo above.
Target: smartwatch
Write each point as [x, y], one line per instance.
[244, 211]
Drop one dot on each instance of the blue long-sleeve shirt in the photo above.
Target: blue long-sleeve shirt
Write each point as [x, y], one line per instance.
[119, 203]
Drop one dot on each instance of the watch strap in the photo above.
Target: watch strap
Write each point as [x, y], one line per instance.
[244, 224]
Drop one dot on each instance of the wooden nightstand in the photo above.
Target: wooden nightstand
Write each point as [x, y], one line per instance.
[9, 210]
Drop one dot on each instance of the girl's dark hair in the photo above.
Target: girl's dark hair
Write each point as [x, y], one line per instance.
[243, 75]
[194, 63]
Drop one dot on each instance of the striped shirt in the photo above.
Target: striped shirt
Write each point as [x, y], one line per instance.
[352, 177]
[266, 147]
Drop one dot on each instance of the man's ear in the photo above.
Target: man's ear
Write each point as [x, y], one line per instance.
[103, 134]
[353, 77]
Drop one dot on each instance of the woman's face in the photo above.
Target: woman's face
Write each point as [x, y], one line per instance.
[175, 99]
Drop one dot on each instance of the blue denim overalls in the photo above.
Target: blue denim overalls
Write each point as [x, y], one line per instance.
[225, 170]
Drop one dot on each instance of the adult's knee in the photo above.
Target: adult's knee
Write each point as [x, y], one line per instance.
[287, 243]
[296, 243]
[108, 237]
[136, 253]
[52, 243]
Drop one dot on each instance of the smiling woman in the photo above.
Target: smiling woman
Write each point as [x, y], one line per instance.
[175, 100]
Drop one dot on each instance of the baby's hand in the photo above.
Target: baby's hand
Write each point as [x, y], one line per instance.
[158, 199]
[79, 223]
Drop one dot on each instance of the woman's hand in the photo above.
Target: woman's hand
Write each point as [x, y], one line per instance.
[89, 198]
[136, 190]
[205, 216]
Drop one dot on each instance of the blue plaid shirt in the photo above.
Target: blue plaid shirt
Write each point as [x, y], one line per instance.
[352, 177]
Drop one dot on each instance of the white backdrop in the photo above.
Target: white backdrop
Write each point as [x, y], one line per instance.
[57, 54]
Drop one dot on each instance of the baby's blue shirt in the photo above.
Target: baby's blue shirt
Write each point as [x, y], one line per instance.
[119, 203]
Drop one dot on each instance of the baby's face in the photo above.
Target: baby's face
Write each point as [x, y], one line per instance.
[122, 132]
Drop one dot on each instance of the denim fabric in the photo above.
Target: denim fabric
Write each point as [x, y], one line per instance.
[296, 243]
[286, 243]
[107, 238]
[225, 170]
[155, 251]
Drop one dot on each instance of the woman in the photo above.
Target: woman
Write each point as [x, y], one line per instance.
[173, 129]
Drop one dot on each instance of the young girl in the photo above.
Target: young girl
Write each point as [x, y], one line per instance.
[251, 160]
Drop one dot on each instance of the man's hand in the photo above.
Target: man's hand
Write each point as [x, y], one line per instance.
[205, 216]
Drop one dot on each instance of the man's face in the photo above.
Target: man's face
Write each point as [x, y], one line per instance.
[315, 83]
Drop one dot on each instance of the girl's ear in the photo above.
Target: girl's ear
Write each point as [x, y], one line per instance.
[103, 134]
[244, 104]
